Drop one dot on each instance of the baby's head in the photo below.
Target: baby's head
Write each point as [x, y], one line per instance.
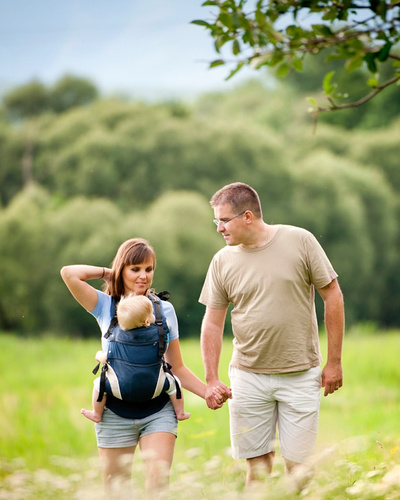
[135, 311]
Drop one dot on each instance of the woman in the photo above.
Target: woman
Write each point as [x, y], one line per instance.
[154, 426]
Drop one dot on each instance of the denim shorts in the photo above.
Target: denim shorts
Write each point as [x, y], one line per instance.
[117, 432]
[261, 404]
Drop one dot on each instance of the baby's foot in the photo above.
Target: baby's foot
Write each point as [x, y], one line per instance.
[91, 415]
[183, 416]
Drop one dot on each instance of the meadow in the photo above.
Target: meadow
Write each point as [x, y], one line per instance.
[48, 450]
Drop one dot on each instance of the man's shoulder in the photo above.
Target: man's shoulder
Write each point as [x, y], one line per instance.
[295, 231]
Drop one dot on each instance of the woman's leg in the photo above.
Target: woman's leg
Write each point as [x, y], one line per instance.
[116, 469]
[158, 451]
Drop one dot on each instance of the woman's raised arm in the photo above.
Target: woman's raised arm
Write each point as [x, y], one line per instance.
[76, 277]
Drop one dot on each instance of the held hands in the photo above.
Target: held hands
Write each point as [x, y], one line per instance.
[332, 378]
[217, 394]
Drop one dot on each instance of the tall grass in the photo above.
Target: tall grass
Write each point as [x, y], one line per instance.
[48, 450]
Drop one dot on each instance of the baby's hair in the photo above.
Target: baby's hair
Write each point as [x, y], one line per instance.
[135, 311]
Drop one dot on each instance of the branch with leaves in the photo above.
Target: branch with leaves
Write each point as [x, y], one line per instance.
[279, 34]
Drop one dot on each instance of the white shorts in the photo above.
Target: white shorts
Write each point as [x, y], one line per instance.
[261, 403]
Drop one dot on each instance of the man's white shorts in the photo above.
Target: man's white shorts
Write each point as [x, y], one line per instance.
[262, 403]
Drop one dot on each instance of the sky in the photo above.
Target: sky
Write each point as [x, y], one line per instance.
[141, 48]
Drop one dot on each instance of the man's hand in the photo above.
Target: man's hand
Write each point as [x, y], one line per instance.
[332, 377]
[216, 394]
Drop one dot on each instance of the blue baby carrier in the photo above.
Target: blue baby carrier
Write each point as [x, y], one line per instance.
[136, 369]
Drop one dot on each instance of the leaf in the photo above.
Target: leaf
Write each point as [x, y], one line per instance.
[217, 62]
[199, 22]
[326, 84]
[226, 20]
[260, 17]
[236, 47]
[372, 82]
[283, 70]
[384, 52]
[353, 63]
[370, 60]
[297, 63]
[234, 71]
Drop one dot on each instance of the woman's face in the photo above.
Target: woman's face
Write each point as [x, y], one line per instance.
[137, 278]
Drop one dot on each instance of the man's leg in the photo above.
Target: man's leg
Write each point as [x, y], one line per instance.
[259, 467]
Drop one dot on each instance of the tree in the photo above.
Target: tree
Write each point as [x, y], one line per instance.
[33, 99]
[279, 34]
[26, 101]
[71, 91]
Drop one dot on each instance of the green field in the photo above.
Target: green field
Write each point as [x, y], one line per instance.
[48, 450]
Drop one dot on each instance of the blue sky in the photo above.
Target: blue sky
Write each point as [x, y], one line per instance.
[146, 48]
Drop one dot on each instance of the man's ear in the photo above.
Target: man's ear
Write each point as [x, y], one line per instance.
[249, 216]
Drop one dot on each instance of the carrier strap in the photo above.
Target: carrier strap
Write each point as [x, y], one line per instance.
[113, 322]
[104, 368]
[167, 368]
[160, 326]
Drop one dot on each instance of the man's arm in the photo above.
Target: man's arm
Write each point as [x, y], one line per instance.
[332, 375]
[212, 330]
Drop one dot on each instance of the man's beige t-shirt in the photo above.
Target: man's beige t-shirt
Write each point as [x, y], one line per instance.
[274, 321]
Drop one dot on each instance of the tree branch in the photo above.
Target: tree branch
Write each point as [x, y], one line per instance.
[355, 104]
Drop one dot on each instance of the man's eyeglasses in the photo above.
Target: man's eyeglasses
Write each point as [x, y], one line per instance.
[224, 222]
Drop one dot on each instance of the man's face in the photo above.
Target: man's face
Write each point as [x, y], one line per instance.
[232, 226]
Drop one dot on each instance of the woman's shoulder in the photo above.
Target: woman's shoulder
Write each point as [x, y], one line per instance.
[104, 305]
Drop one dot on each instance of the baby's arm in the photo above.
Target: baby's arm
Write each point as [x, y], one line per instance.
[101, 356]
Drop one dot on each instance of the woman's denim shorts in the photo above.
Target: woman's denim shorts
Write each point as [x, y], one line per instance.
[117, 432]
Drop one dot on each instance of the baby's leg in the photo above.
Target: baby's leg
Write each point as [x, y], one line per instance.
[98, 407]
[178, 404]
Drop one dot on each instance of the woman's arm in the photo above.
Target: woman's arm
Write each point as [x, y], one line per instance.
[76, 276]
[188, 379]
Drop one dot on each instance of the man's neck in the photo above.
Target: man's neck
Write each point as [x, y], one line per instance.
[261, 236]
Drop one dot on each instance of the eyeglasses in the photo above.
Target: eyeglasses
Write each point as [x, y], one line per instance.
[224, 222]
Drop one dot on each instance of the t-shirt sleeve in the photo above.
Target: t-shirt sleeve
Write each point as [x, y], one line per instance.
[103, 314]
[321, 269]
[172, 320]
[213, 293]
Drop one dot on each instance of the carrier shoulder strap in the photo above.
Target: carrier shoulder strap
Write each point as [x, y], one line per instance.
[113, 322]
[160, 326]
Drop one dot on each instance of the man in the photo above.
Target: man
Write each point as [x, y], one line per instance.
[269, 273]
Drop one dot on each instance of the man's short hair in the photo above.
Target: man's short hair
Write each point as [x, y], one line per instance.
[240, 197]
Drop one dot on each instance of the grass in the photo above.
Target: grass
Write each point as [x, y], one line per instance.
[48, 450]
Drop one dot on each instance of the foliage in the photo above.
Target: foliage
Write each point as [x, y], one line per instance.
[75, 185]
[34, 98]
[279, 34]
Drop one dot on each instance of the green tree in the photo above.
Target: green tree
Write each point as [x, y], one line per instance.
[26, 101]
[70, 92]
[33, 99]
[278, 34]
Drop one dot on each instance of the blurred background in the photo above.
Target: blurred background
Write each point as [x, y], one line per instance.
[112, 126]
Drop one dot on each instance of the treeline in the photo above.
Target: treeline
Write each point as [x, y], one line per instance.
[75, 184]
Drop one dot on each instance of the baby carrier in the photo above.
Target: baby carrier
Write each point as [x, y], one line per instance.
[136, 369]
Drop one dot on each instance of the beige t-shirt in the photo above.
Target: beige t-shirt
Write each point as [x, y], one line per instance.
[272, 290]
